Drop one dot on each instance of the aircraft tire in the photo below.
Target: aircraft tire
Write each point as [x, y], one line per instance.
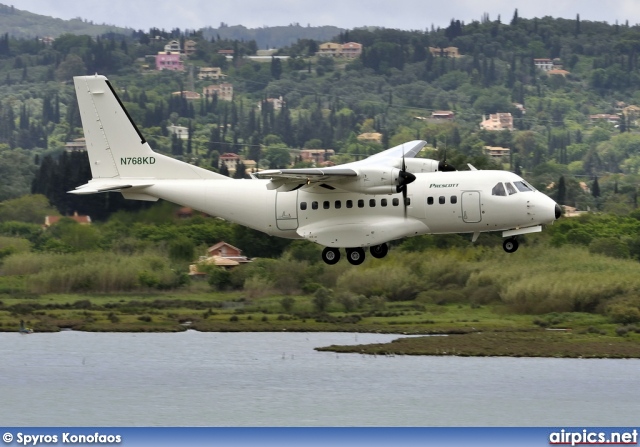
[355, 256]
[379, 251]
[510, 245]
[330, 255]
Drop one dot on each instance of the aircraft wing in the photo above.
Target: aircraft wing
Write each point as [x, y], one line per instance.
[408, 150]
[381, 163]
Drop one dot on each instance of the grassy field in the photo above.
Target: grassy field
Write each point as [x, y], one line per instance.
[472, 329]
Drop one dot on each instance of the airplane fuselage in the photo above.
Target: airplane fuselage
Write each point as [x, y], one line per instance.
[438, 202]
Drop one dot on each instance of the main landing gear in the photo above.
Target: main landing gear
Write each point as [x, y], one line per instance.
[510, 245]
[355, 255]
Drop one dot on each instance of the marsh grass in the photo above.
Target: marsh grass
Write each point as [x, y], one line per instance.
[539, 343]
[101, 272]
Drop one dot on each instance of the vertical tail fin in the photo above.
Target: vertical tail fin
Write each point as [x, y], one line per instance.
[115, 145]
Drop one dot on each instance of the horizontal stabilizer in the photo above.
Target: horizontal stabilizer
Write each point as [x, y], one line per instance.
[91, 189]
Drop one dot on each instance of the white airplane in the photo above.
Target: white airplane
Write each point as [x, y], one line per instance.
[387, 196]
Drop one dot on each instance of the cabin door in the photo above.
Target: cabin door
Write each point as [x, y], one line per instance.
[287, 210]
[471, 212]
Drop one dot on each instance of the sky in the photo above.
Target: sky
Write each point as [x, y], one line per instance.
[401, 14]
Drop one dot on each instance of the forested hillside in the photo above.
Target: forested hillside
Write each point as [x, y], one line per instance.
[575, 131]
[24, 24]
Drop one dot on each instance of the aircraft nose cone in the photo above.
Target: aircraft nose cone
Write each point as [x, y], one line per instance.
[558, 211]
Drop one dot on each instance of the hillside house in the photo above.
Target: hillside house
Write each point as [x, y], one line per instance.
[187, 94]
[329, 49]
[223, 91]
[442, 115]
[81, 219]
[173, 47]
[221, 255]
[276, 103]
[190, 47]
[169, 61]
[374, 137]
[214, 73]
[317, 156]
[543, 64]
[77, 145]
[349, 50]
[229, 160]
[497, 121]
[444, 52]
[498, 154]
[179, 131]
[613, 119]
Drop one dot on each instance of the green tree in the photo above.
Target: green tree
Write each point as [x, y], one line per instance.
[561, 196]
[28, 208]
[322, 299]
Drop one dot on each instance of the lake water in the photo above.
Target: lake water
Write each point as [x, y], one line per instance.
[277, 379]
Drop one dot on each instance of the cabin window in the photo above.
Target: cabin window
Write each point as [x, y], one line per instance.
[338, 204]
[303, 206]
[429, 200]
[523, 187]
[326, 204]
[442, 200]
[407, 201]
[383, 202]
[395, 201]
[454, 199]
[510, 188]
[498, 190]
[349, 203]
[314, 205]
[360, 203]
[372, 203]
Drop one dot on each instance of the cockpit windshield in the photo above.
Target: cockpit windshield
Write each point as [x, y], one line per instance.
[498, 190]
[523, 186]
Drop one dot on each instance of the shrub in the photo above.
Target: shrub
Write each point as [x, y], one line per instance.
[395, 282]
[219, 278]
[624, 313]
[287, 304]
[321, 299]
[610, 246]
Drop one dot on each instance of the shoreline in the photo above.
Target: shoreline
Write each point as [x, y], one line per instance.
[471, 330]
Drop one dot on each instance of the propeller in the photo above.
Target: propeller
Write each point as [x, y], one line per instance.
[404, 178]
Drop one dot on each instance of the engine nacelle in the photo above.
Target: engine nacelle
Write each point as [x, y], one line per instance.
[374, 180]
[417, 165]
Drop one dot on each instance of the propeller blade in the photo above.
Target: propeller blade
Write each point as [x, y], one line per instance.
[444, 166]
[404, 178]
[404, 200]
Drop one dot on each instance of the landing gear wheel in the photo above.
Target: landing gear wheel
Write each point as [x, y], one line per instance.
[355, 255]
[330, 255]
[510, 245]
[379, 251]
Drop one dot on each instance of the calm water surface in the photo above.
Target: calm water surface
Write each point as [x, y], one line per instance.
[277, 379]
